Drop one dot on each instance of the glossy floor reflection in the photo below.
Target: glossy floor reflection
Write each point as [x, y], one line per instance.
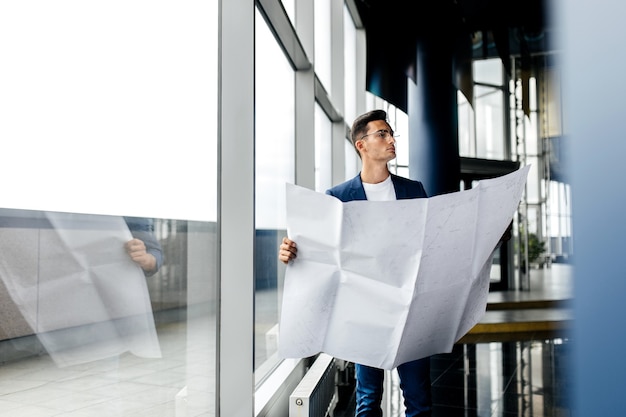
[514, 378]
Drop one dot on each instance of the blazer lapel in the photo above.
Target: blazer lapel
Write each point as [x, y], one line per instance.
[399, 187]
[357, 192]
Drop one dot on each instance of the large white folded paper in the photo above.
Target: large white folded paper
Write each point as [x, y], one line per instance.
[381, 283]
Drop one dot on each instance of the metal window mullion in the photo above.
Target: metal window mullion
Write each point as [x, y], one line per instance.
[235, 353]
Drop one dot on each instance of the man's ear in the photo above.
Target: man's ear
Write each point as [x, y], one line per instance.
[359, 145]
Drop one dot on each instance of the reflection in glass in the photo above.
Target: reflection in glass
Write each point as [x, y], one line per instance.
[80, 319]
[78, 289]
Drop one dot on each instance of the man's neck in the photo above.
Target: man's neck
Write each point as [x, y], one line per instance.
[374, 174]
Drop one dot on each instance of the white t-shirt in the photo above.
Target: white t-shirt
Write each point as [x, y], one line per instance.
[383, 191]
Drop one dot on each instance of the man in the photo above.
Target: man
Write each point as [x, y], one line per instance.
[373, 139]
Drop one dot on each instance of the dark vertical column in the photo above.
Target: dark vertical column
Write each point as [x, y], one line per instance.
[433, 119]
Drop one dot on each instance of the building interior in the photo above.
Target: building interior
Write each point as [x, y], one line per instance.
[179, 127]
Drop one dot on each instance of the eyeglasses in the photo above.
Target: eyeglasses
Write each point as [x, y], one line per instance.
[382, 134]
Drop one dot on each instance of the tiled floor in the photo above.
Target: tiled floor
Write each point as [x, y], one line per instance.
[178, 384]
[519, 373]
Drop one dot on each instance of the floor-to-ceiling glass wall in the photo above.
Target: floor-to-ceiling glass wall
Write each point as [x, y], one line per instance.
[108, 220]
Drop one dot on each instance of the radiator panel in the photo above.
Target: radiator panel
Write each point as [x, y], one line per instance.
[316, 394]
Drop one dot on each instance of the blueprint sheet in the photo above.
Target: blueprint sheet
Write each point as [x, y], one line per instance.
[381, 283]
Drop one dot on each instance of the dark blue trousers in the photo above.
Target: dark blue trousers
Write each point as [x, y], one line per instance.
[414, 383]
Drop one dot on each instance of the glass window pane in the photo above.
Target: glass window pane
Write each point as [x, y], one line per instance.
[553, 106]
[274, 166]
[530, 133]
[353, 162]
[489, 122]
[467, 143]
[104, 107]
[106, 334]
[532, 184]
[323, 150]
[400, 124]
[127, 138]
[488, 71]
[350, 66]
[322, 60]
[513, 131]
[403, 172]
[532, 217]
[290, 6]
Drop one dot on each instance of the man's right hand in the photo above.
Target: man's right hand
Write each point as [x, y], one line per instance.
[287, 251]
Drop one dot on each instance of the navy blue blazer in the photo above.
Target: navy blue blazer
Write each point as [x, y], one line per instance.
[353, 189]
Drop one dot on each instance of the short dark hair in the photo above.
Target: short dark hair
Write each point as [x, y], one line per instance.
[359, 126]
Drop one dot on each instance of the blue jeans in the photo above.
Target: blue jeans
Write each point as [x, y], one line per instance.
[414, 382]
